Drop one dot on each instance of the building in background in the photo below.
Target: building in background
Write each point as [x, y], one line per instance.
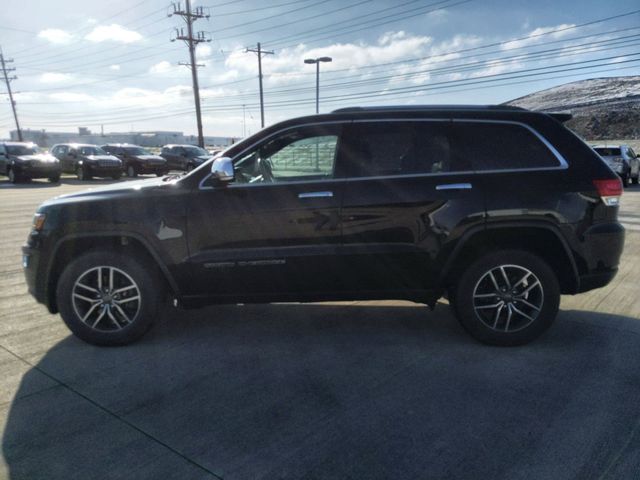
[47, 139]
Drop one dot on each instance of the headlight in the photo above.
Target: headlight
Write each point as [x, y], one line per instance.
[38, 221]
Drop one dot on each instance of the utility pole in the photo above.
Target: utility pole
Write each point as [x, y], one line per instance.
[260, 52]
[192, 42]
[8, 79]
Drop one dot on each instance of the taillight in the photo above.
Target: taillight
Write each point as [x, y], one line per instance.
[609, 190]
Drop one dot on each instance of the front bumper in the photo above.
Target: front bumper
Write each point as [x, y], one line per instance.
[101, 171]
[37, 170]
[31, 265]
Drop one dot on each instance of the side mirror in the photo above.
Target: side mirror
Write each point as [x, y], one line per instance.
[222, 170]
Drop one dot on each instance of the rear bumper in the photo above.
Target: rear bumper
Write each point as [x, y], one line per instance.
[603, 245]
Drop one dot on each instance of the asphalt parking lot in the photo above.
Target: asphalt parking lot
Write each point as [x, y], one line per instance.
[347, 390]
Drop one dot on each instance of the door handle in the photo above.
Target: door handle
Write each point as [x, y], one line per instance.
[315, 195]
[454, 186]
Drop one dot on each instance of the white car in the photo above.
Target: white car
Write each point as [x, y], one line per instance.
[623, 160]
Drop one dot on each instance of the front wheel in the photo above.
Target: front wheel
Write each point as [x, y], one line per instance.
[634, 180]
[82, 173]
[131, 171]
[54, 178]
[108, 298]
[13, 176]
[506, 298]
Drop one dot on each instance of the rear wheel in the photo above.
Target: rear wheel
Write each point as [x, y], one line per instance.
[634, 180]
[54, 178]
[108, 298]
[507, 298]
[625, 180]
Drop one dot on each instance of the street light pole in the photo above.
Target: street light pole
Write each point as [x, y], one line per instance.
[317, 63]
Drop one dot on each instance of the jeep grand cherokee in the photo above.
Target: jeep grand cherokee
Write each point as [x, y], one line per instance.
[499, 208]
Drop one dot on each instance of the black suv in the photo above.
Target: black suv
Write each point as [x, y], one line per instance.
[137, 160]
[87, 161]
[24, 161]
[184, 157]
[498, 208]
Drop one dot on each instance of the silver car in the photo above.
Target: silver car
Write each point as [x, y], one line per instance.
[623, 160]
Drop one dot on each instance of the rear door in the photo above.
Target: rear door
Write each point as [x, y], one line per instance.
[408, 198]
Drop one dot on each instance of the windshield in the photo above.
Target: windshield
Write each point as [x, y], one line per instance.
[22, 149]
[195, 152]
[137, 151]
[91, 151]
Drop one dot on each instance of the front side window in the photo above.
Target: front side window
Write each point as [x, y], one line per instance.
[306, 154]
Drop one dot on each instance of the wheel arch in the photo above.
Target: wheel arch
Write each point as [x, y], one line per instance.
[70, 246]
[539, 238]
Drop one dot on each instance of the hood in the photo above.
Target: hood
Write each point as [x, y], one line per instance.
[123, 189]
[203, 158]
[101, 157]
[40, 157]
[150, 157]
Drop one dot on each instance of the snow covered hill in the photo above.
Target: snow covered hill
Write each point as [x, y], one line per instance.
[602, 107]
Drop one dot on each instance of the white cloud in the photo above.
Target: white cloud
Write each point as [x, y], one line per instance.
[55, 35]
[71, 97]
[161, 67]
[114, 67]
[113, 33]
[203, 51]
[55, 77]
[540, 34]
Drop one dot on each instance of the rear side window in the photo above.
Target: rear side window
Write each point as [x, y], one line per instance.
[499, 146]
[373, 149]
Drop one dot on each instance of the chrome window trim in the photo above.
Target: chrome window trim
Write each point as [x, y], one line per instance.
[201, 185]
[563, 165]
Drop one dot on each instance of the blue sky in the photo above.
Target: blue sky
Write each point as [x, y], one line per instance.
[112, 64]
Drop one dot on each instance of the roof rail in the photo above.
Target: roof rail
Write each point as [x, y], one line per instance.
[389, 108]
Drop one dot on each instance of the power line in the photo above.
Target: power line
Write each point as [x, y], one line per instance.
[260, 53]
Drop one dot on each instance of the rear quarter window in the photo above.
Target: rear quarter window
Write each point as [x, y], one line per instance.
[499, 146]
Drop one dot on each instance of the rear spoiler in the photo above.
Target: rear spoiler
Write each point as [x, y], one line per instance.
[561, 117]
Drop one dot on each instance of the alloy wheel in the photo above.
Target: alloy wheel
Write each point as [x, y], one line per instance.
[508, 298]
[106, 298]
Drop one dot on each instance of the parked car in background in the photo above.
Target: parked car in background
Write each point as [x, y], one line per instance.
[364, 203]
[137, 160]
[623, 160]
[87, 161]
[24, 161]
[184, 157]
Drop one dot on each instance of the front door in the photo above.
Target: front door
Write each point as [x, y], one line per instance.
[275, 231]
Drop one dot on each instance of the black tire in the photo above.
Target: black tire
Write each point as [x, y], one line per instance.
[131, 171]
[625, 180]
[82, 173]
[142, 312]
[116, 176]
[13, 177]
[54, 178]
[500, 326]
[634, 180]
